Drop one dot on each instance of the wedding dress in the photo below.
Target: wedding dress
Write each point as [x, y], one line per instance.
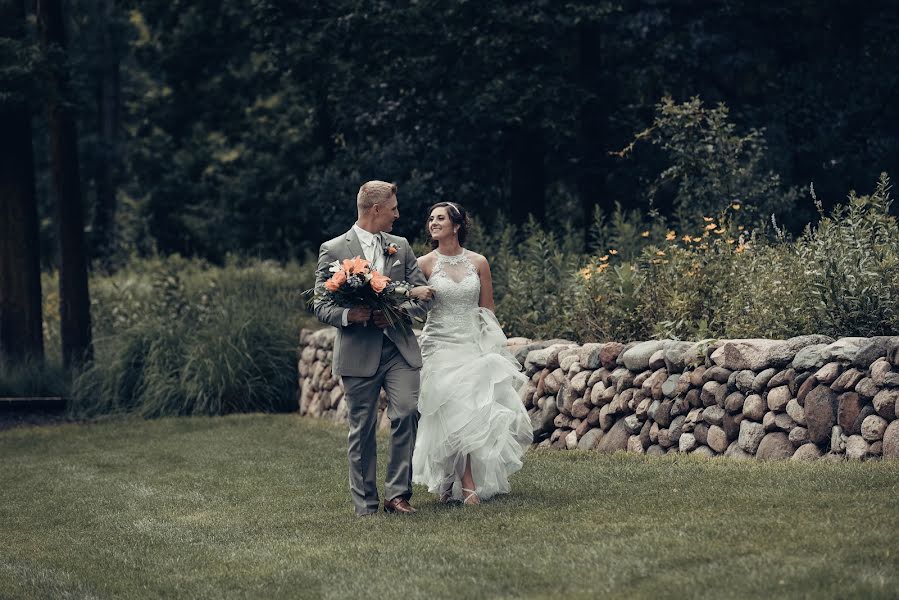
[469, 401]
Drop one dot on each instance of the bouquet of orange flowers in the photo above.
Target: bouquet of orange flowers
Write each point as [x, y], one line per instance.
[354, 283]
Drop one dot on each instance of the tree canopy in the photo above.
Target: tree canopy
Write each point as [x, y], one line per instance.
[247, 127]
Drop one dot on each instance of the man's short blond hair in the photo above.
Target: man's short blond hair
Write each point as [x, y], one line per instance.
[374, 192]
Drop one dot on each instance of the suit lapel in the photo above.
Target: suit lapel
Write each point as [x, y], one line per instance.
[354, 247]
[394, 269]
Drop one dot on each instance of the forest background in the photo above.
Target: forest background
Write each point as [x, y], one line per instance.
[636, 168]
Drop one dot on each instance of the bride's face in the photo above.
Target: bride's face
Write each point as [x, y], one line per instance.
[440, 226]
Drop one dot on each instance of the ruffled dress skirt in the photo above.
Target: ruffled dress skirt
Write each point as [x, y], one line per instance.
[470, 408]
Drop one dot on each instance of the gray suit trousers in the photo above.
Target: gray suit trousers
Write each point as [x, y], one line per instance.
[401, 382]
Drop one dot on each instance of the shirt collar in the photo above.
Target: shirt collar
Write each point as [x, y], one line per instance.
[367, 238]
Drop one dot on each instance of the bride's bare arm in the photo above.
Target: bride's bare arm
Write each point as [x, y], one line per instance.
[486, 299]
[424, 292]
[425, 264]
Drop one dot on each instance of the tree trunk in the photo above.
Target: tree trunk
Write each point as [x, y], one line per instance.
[21, 335]
[108, 117]
[74, 299]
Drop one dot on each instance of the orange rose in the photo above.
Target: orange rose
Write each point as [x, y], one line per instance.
[379, 282]
[337, 280]
[391, 249]
[355, 265]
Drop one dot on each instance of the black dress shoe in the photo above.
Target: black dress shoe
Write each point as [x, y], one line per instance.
[398, 505]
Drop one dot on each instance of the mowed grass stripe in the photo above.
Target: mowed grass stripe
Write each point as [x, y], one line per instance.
[256, 506]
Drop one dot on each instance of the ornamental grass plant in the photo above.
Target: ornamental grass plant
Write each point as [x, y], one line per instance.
[179, 337]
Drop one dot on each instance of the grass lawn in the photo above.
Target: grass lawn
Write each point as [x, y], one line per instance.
[256, 506]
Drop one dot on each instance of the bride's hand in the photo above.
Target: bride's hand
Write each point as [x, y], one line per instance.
[422, 292]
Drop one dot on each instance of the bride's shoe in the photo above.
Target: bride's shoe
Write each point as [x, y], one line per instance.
[471, 498]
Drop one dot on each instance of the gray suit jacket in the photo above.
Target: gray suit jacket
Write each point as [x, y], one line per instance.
[357, 349]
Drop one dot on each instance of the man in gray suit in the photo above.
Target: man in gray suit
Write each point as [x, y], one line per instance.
[369, 354]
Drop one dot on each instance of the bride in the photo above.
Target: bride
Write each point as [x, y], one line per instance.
[474, 429]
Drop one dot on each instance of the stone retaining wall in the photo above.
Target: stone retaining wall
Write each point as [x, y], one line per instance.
[806, 397]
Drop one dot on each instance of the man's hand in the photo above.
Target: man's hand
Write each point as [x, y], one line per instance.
[422, 292]
[379, 319]
[360, 314]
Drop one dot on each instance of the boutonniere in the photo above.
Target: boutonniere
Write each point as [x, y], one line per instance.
[391, 249]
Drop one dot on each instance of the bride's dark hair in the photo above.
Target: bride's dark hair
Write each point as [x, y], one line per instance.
[457, 214]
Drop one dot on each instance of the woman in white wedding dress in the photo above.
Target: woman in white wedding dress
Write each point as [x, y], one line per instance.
[474, 428]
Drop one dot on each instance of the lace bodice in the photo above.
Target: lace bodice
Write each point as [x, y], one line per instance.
[453, 317]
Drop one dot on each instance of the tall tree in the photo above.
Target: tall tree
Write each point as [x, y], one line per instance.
[108, 102]
[21, 336]
[74, 297]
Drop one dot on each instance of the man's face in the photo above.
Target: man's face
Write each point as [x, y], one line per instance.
[387, 212]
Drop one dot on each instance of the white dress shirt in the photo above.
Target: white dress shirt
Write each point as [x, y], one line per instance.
[372, 247]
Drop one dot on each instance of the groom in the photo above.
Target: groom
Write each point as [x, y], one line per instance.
[369, 354]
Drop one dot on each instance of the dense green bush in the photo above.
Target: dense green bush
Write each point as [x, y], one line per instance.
[768, 296]
[852, 265]
[179, 337]
[724, 281]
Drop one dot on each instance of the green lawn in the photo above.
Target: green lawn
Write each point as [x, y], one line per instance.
[256, 506]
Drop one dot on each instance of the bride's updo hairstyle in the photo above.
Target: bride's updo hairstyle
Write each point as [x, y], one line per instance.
[457, 215]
